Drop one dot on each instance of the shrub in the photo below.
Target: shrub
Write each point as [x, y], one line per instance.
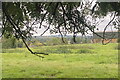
[55, 41]
[19, 43]
[8, 43]
[34, 43]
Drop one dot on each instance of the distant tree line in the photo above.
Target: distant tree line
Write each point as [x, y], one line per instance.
[12, 42]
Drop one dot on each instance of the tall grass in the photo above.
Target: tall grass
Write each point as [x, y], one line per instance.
[15, 50]
[117, 47]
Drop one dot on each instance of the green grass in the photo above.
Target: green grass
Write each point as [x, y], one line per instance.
[0, 61]
[67, 61]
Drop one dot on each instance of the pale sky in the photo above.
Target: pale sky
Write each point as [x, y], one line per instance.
[105, 22]
[100, 27]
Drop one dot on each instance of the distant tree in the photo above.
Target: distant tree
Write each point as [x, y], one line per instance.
[35, 43]
[56, 41]
[19, 43]
[9, 43]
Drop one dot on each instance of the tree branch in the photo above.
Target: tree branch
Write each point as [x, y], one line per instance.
[15, 26]
[106, 28]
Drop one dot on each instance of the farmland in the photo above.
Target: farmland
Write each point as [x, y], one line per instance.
[63, 61]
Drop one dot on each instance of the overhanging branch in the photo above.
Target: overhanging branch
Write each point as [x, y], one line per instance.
[16, 27]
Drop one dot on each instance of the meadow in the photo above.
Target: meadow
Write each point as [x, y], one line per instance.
[63, 61]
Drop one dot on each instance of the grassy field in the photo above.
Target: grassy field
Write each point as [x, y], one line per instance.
[63, 61]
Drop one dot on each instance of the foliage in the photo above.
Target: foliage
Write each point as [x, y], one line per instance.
[55, 41]
[19, 43]
[50, 40]
[9, 43]
[105, 7]
[81, 40]
[35, 43]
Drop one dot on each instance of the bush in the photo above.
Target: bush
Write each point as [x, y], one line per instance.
[8, 43]
[55, 41]
[34, 43]
[19, 44]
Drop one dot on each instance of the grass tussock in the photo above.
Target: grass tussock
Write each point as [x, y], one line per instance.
[117, 47]
[84, 51]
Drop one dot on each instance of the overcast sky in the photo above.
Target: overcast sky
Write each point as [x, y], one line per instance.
[101, 27]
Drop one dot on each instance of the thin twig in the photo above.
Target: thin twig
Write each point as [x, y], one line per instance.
[44, 15]
[45, 30]
[60, 32]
